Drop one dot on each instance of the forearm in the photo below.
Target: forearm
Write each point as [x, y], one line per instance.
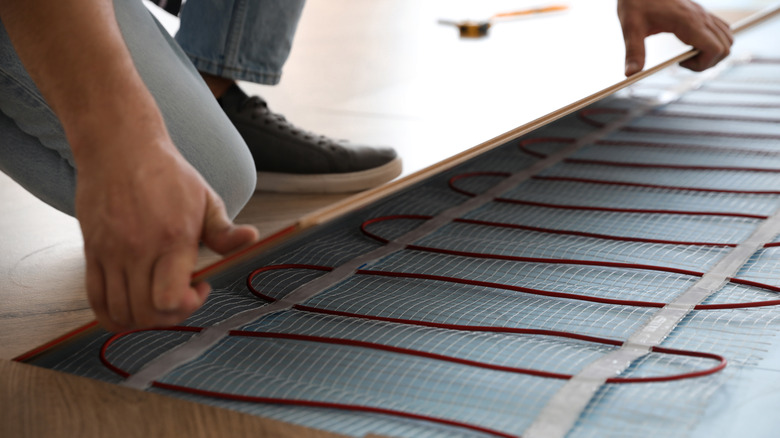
[75, 53]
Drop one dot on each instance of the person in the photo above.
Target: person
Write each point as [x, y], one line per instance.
[104, 117]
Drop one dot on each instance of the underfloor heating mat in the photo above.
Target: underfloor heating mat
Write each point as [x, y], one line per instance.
[482, 301]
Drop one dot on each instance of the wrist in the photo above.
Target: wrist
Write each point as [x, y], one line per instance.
[123, 122]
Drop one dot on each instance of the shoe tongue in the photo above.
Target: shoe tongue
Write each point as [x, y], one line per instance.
[233, 98]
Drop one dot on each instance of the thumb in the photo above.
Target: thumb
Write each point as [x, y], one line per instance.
[635, 50]
[219, 232]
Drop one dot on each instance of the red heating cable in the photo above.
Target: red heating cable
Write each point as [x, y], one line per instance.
[585, 116]
[685, 146]
[721, 362]
[523, 146]
[552, 231]
[559, 261]
[462, 176]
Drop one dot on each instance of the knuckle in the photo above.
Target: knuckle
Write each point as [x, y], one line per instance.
[133, 245]
[217, 202]
[172, 234]
[693, 9]
[175, 233]
[693, 14]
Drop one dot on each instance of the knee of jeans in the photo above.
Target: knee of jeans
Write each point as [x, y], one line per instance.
[232, 175]
[242, 187]
[208, 140]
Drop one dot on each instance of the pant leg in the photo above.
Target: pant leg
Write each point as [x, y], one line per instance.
[246, 40]
[34, 150]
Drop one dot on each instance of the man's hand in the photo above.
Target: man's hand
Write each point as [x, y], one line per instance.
[684, 18]
[143, 209]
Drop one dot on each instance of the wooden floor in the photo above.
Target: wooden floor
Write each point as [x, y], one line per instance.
[105, 410]
[379, 72]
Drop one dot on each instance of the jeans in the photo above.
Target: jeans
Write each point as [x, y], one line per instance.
[239, 39]
[36, 154]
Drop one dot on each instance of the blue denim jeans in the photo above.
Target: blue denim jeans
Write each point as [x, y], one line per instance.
[35, 152]
[239, 39]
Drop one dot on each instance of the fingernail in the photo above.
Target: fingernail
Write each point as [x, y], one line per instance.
[631, 67]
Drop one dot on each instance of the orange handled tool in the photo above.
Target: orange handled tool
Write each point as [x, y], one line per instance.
[477, 29]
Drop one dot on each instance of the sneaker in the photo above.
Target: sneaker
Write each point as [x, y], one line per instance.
[289, 159]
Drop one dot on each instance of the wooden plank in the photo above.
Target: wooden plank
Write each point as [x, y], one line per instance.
[66, 405]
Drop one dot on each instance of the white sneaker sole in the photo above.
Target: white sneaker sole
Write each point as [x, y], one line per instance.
[328, 182]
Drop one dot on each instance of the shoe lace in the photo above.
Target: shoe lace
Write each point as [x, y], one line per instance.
[259, 110]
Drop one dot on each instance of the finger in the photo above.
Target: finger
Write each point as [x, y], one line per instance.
[96, 294]
[199, 293]
[704, 37]
[717, 49]
[693, 64]
[203, 290]
[144, 311]
[171, 290]
[634, 39]
[117, 296]
[704, 60]
[140, 289]
[722, 36]
[726, 28]
[725, 39]
[219, 232]
[709, 54]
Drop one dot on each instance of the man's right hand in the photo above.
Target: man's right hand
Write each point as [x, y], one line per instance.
[143, 210]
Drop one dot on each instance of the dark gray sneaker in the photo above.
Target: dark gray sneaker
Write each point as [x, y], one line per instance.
[289, 159]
